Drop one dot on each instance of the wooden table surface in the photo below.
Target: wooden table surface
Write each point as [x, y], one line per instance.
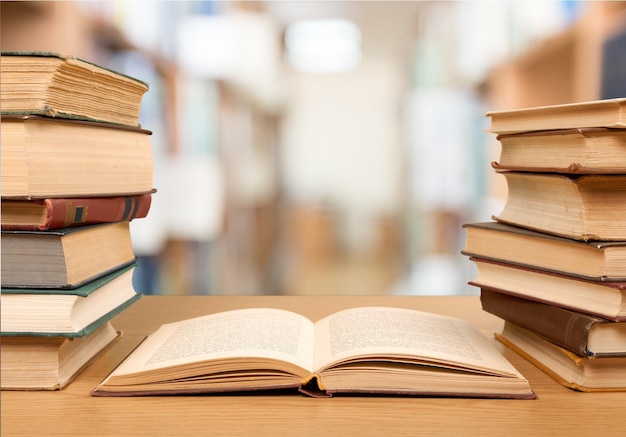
[73, 412]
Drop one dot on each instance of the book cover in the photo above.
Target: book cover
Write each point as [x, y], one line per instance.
[67, 313]
[571, 151]
[65, 257]
[82, 290]
[596, 260]
[83, 332]
[570, 370]
[606, 299]
[575, 331]
[57, 213]
[597, 113]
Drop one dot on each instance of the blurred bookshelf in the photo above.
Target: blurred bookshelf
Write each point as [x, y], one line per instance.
[226, 218]
[572, 65]
[202, 238]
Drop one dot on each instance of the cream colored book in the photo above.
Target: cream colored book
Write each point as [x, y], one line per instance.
[573, 371]
[46, 157]
[361, 350]
[61, 85]
[605, 299]
[582, 151]
[597, 260]
[586, 207]
[596, 113]
[50, 363]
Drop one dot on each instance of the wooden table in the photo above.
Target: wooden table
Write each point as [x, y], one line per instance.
[73, 412]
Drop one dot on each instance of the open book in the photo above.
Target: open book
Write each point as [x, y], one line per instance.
[361, 350]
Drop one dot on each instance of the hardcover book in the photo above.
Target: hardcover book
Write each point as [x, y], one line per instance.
[360, 350]
[597, 113]
[606, 299]
[60, 85]
[66, 313]
[49, 157]
[580, 333]
[571, 370]
[586, 207]
[597, 260]
[50, 363]
[573, 151]
[64, 258]
[57, 213]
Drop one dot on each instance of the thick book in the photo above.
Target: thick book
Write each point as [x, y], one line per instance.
[61, 85]
[605, 299]
[580, 333]
[64, 258]
[598, 260]
[50, 157]
[609, 113]
[573, 151]
[57, 213]
[67, 313]
[586, 207]
[364, 350]
[50, 363]
[573, 371]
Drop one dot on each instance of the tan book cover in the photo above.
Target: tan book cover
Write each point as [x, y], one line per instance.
[597, 113]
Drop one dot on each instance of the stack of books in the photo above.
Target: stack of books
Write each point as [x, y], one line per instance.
[552, 264]
[76, 169]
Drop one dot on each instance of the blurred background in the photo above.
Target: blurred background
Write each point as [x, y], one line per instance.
[327, 147]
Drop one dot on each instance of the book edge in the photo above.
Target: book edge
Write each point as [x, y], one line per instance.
[66, 57]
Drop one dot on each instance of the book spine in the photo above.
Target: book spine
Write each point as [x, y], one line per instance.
[567, 329]
[62, 213]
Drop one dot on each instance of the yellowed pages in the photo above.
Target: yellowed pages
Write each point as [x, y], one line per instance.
[408, 335]
[242, 335]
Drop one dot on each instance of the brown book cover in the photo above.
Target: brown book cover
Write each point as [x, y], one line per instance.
[56, 213]
[568, 369]
[569, 329]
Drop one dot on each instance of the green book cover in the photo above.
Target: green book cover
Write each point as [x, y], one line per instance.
[82, 292]
[93, 326]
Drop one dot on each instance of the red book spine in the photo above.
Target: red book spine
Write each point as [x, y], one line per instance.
[61, 213]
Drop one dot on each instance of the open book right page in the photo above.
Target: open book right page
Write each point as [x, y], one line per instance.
[427, 338]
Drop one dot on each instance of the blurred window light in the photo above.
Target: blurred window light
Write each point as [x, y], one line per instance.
[323, 46]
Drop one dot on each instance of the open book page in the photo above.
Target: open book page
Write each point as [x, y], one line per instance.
[385, 333]
[251, 333]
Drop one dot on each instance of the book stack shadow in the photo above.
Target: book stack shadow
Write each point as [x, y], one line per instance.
[76, 169]
[552, 263]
